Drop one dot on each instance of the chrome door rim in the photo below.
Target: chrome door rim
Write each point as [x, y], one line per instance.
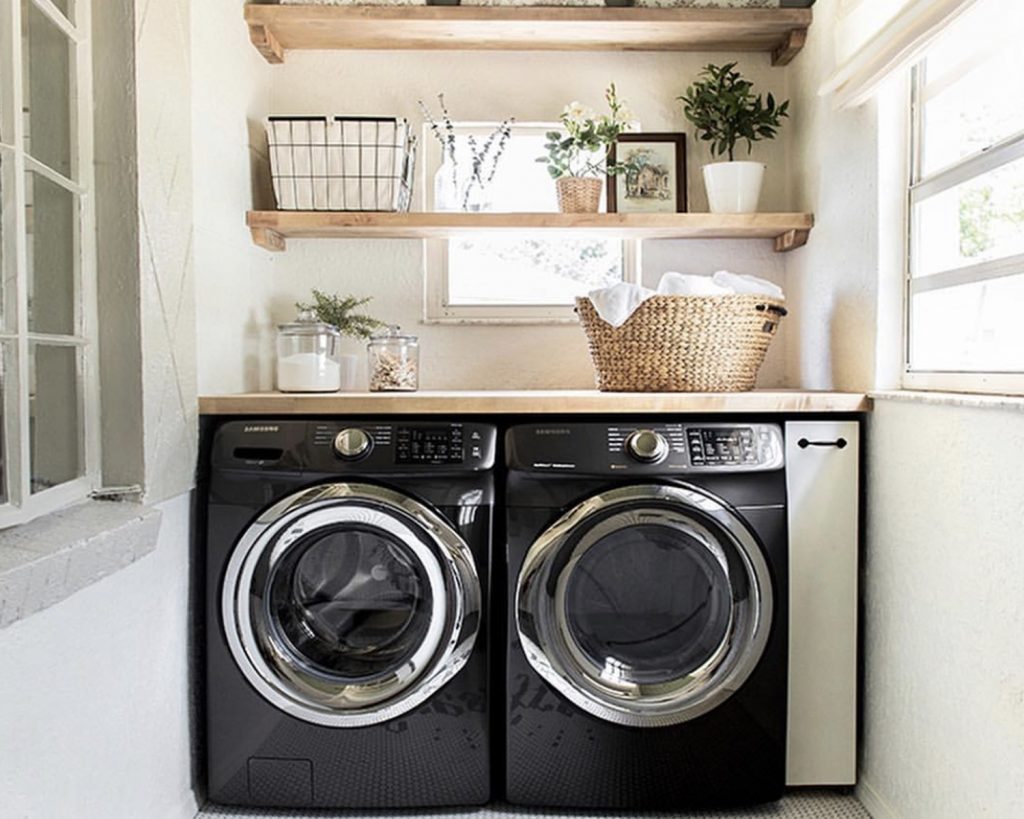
[541, 620]
[454, 618]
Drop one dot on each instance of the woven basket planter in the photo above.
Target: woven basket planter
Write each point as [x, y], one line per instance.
[578, 194]
[683, 343]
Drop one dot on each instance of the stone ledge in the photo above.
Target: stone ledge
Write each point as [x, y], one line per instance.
[49, 559]
[952, 399]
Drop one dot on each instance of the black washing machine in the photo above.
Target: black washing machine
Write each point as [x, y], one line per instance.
[647, 590]
[347, 570]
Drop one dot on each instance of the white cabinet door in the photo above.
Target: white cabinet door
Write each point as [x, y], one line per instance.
[823, 489]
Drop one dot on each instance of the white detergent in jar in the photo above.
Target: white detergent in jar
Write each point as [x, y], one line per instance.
[308, 372]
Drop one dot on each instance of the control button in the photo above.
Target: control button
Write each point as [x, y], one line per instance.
[647, 446]
[352, 443]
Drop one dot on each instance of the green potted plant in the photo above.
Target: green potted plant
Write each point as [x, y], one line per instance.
[578, 158]
[725, 111]
[343, 313]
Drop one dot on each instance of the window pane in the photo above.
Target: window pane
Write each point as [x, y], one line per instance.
[47, 84]
[54, 422]
[970, 328]
[51, 215]
[529, 271]
[977, 221]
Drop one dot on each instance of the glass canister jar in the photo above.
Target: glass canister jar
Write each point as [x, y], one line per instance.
[394, 360]
[308, 355]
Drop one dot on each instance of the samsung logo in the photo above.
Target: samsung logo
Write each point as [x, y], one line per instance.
[553, 431]
[261, 428]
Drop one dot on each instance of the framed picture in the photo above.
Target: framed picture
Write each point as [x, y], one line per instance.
[657, 181]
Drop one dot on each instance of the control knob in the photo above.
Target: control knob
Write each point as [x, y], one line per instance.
[352, 443]
[647, 446]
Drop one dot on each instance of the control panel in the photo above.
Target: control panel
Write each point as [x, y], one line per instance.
[369, 446]
[652, 448]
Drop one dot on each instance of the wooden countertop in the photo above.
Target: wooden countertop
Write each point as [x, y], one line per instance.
[589, 402]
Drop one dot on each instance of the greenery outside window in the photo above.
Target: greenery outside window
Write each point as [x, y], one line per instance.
[965, 283]
[47, 258]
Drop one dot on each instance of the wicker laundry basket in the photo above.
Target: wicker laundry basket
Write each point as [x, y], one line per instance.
[683, 343]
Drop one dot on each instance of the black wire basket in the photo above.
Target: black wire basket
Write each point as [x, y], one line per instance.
[342, 164]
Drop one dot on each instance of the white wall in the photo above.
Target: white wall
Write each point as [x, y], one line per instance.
[943, 700]
[243, 293]
[230, 95]
[95, 722]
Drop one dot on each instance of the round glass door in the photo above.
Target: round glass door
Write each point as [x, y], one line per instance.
[646, 605]
[349, 604]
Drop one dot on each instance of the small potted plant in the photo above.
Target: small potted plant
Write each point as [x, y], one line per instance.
[725, 111]
[341, 312]
[578, 159]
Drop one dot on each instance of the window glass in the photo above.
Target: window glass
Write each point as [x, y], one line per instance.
[500, 270]
[51, 253]
[47, 88]
[974, 327]
[54, 422]
[979, 220]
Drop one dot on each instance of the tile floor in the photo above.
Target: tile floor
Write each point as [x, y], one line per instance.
[803, 804]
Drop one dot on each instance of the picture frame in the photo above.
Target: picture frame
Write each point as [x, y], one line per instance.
[665, 192]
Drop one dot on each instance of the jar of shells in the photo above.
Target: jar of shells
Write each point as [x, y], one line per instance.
[394, 360]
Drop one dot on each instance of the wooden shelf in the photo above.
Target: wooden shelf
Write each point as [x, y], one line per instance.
[274, 30]
[271, 228]
[472, 402]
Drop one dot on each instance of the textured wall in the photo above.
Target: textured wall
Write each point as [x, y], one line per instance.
[241, 298]
[833, 280]
[167, 308]
[944, 614]
[95, 720]
[230, 94]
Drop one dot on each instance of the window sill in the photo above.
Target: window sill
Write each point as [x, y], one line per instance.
[49, 559]
[953, 399]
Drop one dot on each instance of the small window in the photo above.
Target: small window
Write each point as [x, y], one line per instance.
[49, 426]
[510, 277]
[966, 252]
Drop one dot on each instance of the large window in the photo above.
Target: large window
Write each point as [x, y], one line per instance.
[46, 257]
[516, 277]
[965, 299]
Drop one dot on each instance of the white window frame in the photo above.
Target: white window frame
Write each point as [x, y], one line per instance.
[922, 187]
[22, 505]
[437, 310]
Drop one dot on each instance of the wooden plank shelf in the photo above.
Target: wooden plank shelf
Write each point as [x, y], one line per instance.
[275, 30]
[271, 228]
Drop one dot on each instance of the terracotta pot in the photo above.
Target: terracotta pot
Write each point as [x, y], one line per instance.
[579, 194]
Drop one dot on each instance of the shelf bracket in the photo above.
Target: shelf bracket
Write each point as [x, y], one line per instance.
[783, 53]
[270, 239]
[791, 240]
[266, 43]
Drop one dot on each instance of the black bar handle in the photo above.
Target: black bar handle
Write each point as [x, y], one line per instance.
[772, 308]
[838, 443]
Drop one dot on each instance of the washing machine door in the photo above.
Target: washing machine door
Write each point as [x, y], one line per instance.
[646, 605]
[347, 604]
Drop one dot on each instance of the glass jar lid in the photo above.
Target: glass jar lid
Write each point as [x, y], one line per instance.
[393, 333]
[307, 324]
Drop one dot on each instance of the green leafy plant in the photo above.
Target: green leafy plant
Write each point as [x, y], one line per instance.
[724, 109]
[583, 149]
[341, 312]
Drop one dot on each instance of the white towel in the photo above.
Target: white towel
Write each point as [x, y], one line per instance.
[741, 284]
[615, 304]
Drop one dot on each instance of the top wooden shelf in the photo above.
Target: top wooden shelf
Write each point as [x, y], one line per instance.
[277, 29]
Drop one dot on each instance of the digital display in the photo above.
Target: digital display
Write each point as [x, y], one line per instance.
[722, 446]
[429, 445]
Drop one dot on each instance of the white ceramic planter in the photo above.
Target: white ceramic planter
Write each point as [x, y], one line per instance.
[733, 187]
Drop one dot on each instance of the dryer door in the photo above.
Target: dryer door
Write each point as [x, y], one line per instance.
[348, 604]
[646, 605]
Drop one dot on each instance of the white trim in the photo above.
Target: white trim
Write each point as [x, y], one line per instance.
[971, 274]
[970, 167]
[948, 381]
[873, 801]
[21, 503]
